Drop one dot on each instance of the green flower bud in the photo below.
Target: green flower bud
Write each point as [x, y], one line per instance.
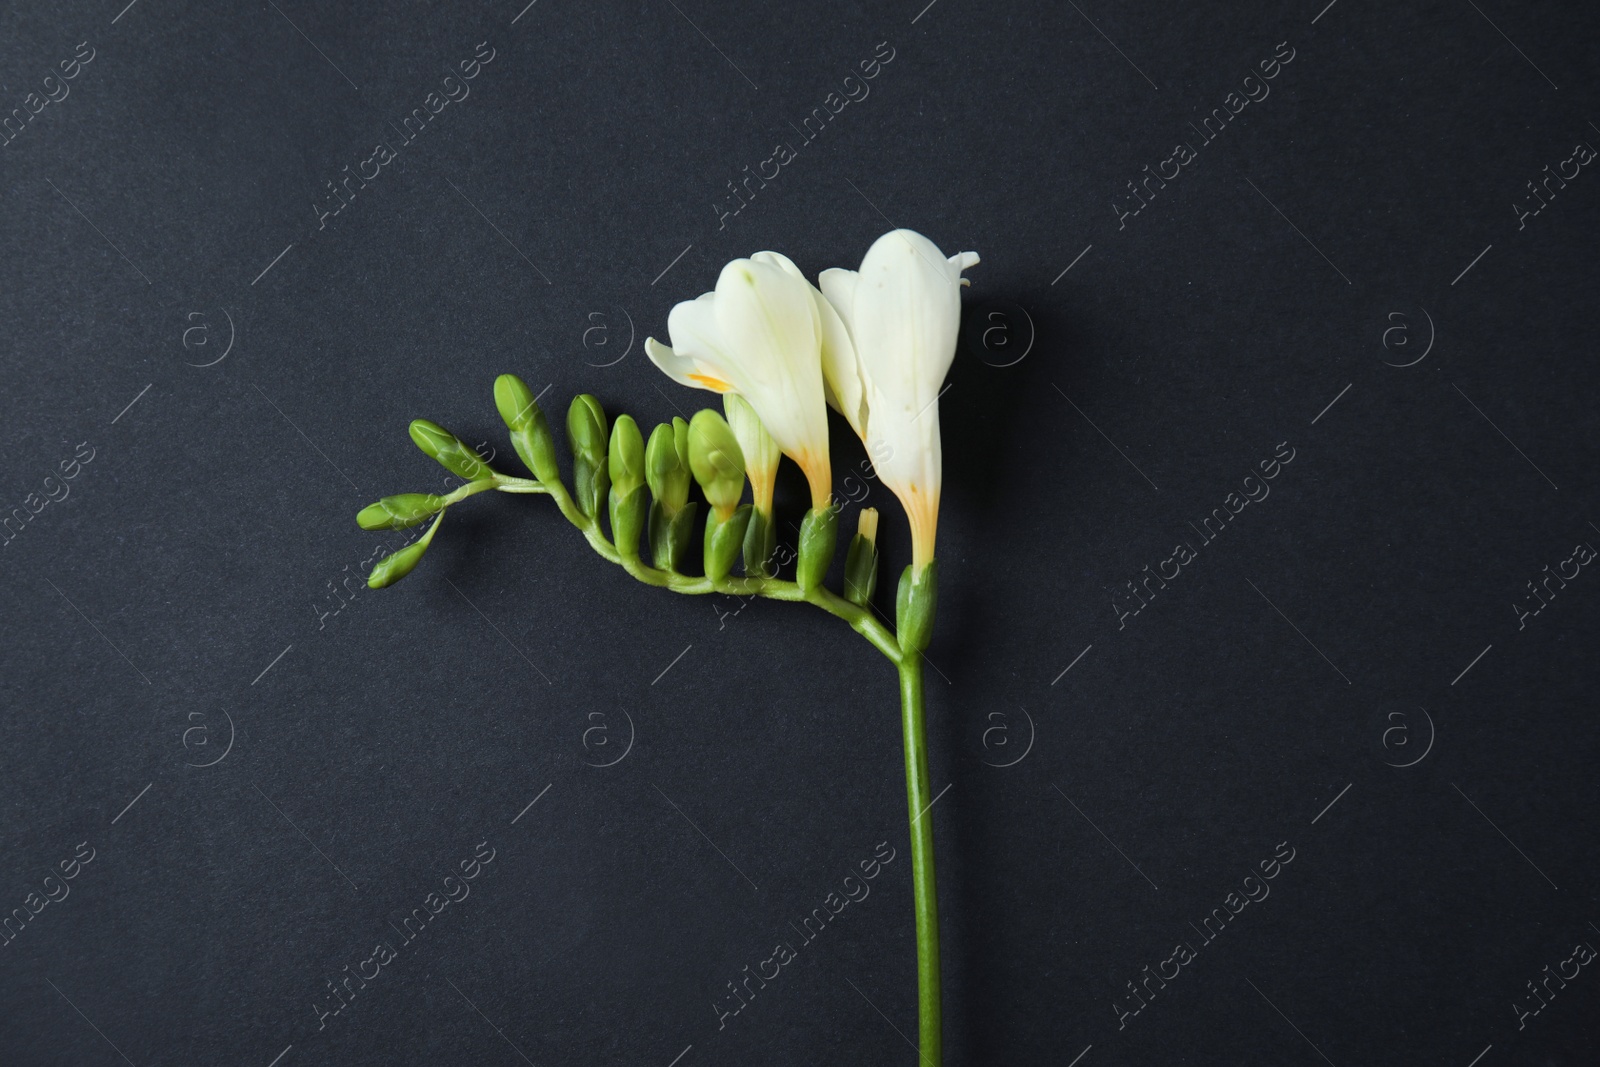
[717, 462]
[587, 433]
[392, 568]
[914, 606]
[398, 512]
[724, 539]
[760, 540]
[666, 467]
[626, 463]
[451, 452]
[819, 534]
[530, 431]
[628, 513]
[861, 563]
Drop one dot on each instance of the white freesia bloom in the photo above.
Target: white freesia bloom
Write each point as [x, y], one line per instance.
[885, 354]
[759, 334]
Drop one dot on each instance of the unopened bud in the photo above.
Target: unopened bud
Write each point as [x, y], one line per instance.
[666, 467]
[626, 456]
[587, 433]
[392, 568]
[716, 461]
[530, 431]
[451, 452]
[398, 512]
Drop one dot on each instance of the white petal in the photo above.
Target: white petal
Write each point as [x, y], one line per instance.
[841, 370]
[760, 451]
[905, 317]
[676, 367]
[779, 260]
[839, 286]
[697, 339]
[770, 325]
[765, 314]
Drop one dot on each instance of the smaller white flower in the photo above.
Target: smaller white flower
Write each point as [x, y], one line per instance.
[759, 335]
[885, 354]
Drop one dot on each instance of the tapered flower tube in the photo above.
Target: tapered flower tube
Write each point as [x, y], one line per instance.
[759, 334]
[761, 452]
[885, 353]
[761, 456]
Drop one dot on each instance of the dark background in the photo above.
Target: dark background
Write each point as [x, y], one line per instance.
[186, 603]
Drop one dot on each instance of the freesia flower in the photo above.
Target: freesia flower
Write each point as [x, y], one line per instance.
[885, 352]
[759, 334]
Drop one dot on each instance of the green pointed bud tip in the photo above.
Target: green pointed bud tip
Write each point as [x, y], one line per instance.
[449, 450]
[680, 437]
[431, 437]
[626, 457]
[661, 453]
[665, 470]
[398, 512]
[515, 402]
[586, 424]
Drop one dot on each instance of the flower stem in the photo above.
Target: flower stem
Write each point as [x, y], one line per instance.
[926, 902]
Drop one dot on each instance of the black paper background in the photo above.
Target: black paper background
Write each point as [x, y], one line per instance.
[242, 373]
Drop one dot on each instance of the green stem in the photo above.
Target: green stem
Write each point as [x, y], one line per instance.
[926, 902]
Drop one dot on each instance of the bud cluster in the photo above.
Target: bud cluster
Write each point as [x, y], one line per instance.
[639, 488]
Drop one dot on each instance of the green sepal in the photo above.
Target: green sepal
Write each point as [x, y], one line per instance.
[915, 604]
[671, 536]
[760, 541]
[588, 434]
[660, 544]
[724, 541]
[628, 513]
[451, 452]
[860, 571]
[392, 568]
[530, 430]
[819, 535]
[399, 511]
[680, 534]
